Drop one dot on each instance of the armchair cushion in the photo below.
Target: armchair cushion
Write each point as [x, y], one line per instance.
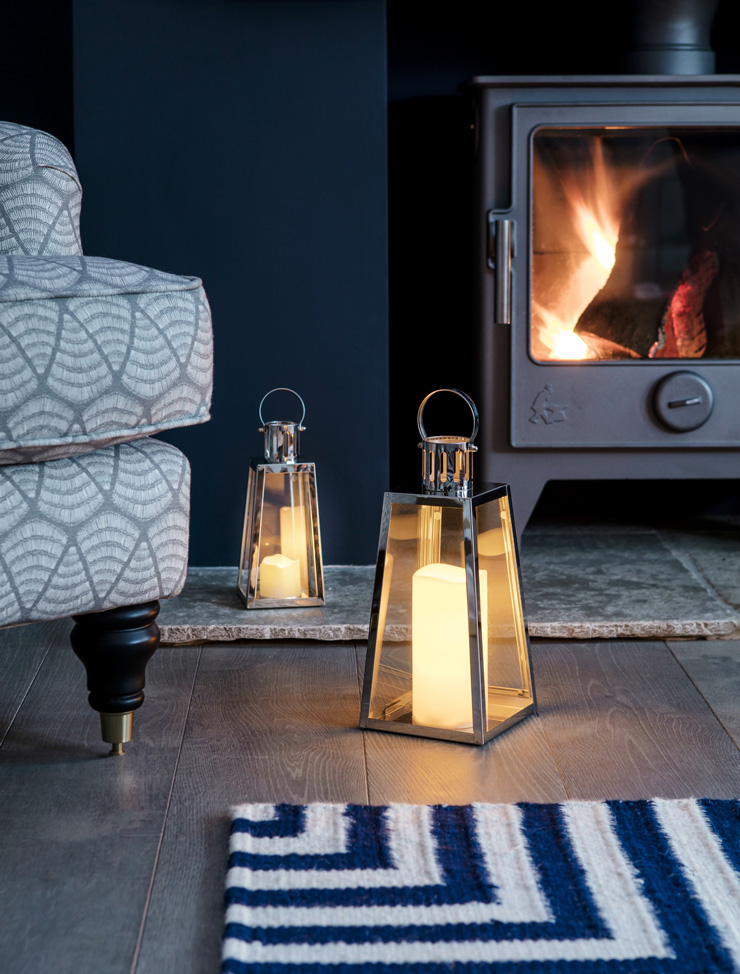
[96, 351]
[93, 532]
[40, 194]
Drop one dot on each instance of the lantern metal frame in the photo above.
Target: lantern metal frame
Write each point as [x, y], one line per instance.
[281, 440]
[468, 499]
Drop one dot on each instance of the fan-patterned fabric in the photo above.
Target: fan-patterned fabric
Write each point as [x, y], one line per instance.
[93, 532]
[40, 194]
[96, 351]
[93, 352]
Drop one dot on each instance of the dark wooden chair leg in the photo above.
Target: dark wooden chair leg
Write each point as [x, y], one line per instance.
[115, 647]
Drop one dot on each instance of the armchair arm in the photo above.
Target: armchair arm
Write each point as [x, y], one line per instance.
[96, 351]
[40, 194]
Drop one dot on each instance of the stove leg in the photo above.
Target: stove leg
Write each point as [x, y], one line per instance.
[115, 647]
[525, 492]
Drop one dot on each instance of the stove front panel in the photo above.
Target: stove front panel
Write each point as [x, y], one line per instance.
[624, 289]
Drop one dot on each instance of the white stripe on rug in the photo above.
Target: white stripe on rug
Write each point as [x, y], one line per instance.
[612, 879]
[509, 866]
[325, 832]
[412, 850]
[698, 849]
[624, 910]
[508, 861]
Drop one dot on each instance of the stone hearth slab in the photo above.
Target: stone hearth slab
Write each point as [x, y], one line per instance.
[585, 584]
[210, 608]
[579, 583]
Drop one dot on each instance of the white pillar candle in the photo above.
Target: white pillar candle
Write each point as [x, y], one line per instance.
[280, 578]
[441, 685]
[491, 543]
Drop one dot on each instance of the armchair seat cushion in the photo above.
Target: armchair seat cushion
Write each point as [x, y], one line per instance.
[95, 352]
[93, 532]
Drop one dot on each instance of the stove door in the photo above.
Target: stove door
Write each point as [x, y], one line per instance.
[626, 313]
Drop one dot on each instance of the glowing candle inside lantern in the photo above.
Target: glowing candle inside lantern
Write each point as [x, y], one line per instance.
[293, 539]
[280, 578]
[491, 543]
[440, 646]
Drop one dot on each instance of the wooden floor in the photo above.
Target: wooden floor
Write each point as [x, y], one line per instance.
[114, 865]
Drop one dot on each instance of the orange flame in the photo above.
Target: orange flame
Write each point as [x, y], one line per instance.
[595, 203]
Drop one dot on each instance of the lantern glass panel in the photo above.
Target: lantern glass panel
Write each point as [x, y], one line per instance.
[508, 674]
[422, 674]
[284, 534]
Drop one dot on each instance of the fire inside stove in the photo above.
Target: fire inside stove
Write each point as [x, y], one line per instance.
[635, 244]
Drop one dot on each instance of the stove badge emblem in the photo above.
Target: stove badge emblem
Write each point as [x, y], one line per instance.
[544, 410]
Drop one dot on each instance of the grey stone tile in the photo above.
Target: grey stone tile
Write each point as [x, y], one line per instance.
[710, 548]
[616, 584]
[210, 608]
[590, 582]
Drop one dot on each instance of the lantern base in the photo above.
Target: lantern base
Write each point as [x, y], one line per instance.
[401, 724]
[297, 603]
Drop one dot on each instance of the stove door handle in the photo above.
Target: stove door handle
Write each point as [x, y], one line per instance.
[500, 250]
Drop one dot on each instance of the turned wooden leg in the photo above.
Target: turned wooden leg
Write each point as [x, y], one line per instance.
[115, 647]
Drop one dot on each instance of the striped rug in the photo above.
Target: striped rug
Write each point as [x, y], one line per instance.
[639, 886]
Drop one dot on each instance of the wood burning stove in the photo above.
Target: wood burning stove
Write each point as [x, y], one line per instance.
[608, 248]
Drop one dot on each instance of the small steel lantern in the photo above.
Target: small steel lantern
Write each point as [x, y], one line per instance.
[280, 564]
[448, 655]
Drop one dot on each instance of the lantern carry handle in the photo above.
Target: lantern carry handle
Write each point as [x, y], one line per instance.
[457, 392]
[284, 389]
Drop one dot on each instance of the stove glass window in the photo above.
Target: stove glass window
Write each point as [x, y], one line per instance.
[635, 244]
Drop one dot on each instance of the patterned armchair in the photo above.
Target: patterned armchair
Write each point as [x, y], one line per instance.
[95, 356]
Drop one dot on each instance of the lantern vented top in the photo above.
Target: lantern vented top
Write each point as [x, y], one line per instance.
[447, 460]
[282, 437]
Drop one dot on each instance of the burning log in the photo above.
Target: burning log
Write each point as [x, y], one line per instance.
[656, 302]
[617, 324]
[623, 320]
[621, 328]
[683, 332]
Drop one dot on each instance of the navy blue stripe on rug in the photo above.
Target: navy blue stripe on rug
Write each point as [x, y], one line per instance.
[367, 845]
[288, 821]
[460, 858]
[724, 817]
[694, 939]
[575, 914]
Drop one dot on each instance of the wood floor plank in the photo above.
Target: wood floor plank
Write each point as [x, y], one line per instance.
[713, 666]
[22, 651]
[624, 721]
[517, 766]
[269, 722]
[56, 717]
[79, 832]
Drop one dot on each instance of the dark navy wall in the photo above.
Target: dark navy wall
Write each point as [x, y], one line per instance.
[36, 66]
[430, 153]
[244, 142]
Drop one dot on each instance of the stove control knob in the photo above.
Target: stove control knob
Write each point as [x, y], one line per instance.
[683, 401]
